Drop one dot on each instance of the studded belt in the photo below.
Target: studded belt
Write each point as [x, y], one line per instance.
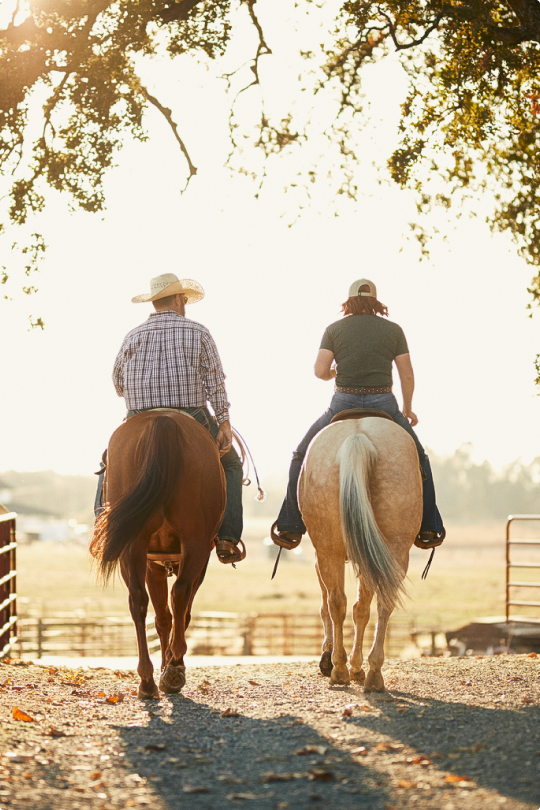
[373, 389]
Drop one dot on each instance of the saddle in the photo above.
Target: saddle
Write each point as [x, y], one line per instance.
[358, 413]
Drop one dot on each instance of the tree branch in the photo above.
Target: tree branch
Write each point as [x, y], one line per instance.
[167, 114]
[178, 11]
[401, 47]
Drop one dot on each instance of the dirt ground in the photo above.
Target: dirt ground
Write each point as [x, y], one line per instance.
[449, 734]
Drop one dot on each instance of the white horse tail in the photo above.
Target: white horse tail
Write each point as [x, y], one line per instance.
[365, 547]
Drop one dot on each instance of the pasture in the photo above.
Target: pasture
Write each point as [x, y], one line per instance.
[466, 580]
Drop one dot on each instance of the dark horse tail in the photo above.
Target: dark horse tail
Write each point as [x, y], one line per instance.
[159, 463]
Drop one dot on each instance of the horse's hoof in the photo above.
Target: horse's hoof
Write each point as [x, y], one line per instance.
[172, 679]
[339, 678]
[357, 675]
[148, 693]
[374, 682]
[325, 664]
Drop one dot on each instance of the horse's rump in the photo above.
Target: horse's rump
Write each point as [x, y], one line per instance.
[360, 485]
[162, 467]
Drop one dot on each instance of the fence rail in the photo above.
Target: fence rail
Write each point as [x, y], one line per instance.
[210, 633]
[512, 563]
[8, 583]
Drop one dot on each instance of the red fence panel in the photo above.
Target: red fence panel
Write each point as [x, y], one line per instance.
[8, 582]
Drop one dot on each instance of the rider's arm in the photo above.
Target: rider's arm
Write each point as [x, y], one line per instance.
[118, 372]
[406, 376]
[323, 365]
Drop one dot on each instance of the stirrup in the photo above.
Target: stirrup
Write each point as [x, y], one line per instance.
[434, 542]
[282, 540]
[236, 554]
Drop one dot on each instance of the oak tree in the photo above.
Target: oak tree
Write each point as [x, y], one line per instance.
[71, 91]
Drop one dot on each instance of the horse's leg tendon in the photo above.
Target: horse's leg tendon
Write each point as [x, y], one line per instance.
[361, 609]
[325, 664]
[332, 574]
[156, 580]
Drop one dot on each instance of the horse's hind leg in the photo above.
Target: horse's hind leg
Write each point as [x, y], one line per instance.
[361, 610]
[325, 664]
[332, 574]
[156, 580]
[134, 575]
[191, 574]
[374, 678]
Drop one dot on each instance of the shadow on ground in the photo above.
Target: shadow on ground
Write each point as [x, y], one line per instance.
[187, 756]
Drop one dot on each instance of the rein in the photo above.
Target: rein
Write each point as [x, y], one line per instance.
[245, 455]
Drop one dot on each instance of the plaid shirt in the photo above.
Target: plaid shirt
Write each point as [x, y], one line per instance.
[170, 362]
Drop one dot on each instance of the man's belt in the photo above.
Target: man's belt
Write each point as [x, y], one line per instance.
[368, 389]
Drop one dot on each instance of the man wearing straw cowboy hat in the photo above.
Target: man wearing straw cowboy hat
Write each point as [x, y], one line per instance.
[170, 361]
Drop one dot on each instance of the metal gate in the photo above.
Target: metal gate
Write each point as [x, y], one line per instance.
[8, 582]
[511, 542]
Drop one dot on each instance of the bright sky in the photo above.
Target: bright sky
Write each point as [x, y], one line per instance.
[271, 290]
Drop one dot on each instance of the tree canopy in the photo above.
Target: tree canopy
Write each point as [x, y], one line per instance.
[72, 91]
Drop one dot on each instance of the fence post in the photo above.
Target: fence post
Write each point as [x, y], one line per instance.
[249, 630]
[39, 637]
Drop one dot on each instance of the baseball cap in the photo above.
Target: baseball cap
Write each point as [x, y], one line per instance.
[355, 286]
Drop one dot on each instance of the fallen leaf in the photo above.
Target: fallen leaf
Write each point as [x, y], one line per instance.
[254, 683]
[19, 715]
[272, 776]
[56, 732]
[95, 775]
[404, 783]
[155, 747]
[402, 710]
[390, 746]
[452, 777]
[236, 796]
[52, 670]
[532, 655]
[320, 775]
[116, 698]
[195, 789]
[478, 747]
[229, 713]
[527, 700]
[390, 807]
[361, 751]
[312, 749]
[347, 711]
[18, 756]
[423, 761]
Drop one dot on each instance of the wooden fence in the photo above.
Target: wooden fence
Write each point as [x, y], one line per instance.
[8, 582]
[210, 633]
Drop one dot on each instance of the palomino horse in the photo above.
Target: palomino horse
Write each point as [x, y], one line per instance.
[166, 498]
[360, 493]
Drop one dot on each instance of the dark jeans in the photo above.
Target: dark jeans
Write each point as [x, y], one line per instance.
[232, 524]
[290, 518]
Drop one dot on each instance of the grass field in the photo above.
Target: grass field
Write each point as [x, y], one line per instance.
[466, 580]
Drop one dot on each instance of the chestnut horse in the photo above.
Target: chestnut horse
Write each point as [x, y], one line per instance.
[360, 494]
[165, 498]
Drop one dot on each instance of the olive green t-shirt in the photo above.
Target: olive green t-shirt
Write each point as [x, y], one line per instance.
[364, 347]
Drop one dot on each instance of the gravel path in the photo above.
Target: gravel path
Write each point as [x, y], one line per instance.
[450, 733]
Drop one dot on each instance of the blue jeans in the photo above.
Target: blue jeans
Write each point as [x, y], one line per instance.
[290, 518]
[232, 524]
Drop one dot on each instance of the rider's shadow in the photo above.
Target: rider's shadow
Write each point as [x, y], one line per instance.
[186, 748]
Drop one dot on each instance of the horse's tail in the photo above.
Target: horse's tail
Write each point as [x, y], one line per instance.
[159, 462]
[366, 549]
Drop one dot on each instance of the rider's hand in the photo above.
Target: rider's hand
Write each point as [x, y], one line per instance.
[224, 438]
[411, 417]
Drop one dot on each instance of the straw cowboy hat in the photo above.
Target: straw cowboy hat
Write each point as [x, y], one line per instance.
[169, 284]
